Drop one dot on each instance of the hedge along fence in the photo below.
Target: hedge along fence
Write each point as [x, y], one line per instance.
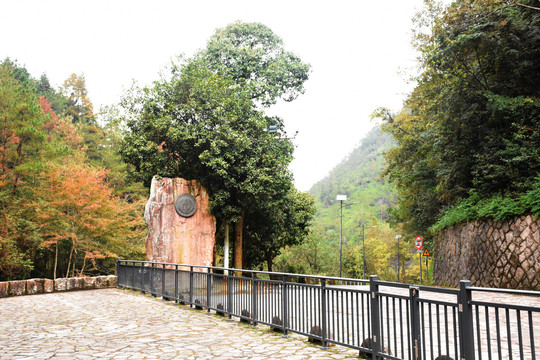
[43, 286]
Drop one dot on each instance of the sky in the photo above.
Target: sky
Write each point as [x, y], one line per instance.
[360, 53]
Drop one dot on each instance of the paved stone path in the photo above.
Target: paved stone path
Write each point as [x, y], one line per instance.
[120, 324]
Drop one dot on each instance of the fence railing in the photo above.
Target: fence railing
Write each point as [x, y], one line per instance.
[379, 319]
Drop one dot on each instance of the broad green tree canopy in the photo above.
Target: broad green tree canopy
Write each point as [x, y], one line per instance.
[204, 122]
[253, 57]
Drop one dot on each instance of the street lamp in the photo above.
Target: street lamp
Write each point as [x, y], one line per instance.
[341, 199]
[397, 238]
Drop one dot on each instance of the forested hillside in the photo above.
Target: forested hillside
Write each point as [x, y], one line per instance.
[469, 134]
[365, 214]
[66, 207]
[357, 176]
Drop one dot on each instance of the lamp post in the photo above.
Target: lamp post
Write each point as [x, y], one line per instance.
[397, 238]
[341, 199]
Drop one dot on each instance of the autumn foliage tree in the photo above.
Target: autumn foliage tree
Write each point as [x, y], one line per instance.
[58, 209]
[79, 105]
[76, 207]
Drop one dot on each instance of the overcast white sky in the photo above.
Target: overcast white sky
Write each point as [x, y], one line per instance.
[357, 50]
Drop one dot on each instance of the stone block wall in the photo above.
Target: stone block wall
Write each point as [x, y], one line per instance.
[500, 254]
[43, 286]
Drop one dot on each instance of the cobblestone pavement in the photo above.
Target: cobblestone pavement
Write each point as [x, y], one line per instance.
[120, 324]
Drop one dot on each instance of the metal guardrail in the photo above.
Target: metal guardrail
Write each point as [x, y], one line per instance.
[380, 319]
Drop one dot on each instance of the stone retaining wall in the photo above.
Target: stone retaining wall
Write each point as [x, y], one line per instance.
[500, 254]
[42, 286]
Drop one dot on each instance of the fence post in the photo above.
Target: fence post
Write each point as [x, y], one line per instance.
[176, 284]
[191, 287]
[229, 295]
[208, 291]
[284, 305]
[132, 273]
[141, 271]
[375, 328]
[117, 273]
[163, 283]
[465, 321]
[152, 280]
[323, 314]
[415, 322]
[254, 293]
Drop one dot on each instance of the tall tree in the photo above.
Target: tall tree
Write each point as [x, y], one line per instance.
[21, 140]
[472, 122]
[203, 123]
[200, 127]
[39, 150]
[76, 205]
[254, 57]
[79, 105]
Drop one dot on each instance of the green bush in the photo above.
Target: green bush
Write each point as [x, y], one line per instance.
[498, 207]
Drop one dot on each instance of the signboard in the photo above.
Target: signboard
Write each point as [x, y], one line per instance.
[426, 253]
[418, 242]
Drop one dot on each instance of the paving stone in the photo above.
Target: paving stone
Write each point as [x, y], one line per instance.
[121, 324]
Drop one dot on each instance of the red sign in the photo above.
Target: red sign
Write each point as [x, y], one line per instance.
[418, 242]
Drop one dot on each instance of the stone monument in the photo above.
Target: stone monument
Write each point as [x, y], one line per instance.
[180, 228]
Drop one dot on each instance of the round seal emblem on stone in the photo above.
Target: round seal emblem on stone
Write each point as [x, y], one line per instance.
[185, 205]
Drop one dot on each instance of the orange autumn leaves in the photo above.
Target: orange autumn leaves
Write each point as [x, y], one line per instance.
[76, 204]
[61, 212]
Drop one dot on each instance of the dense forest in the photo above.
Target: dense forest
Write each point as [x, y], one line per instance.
[66, 205]
[469, 134]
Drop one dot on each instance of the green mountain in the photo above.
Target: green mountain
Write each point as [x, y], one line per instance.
[368, 202]
[357, 176]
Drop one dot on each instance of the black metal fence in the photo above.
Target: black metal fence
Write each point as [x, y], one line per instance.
[380, 319]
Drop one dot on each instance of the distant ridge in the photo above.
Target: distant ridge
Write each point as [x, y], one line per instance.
[357, 176]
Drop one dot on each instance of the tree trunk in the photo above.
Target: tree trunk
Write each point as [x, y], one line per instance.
[82, 268]
[238, 228]
[69, 261]
[269, 263]
[56, 259]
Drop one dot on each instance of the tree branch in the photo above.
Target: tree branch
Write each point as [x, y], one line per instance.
[527, 6]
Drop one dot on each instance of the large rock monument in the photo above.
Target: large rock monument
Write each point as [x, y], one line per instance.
[180, 228]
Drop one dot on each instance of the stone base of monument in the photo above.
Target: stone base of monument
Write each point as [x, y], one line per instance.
[180, 228]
